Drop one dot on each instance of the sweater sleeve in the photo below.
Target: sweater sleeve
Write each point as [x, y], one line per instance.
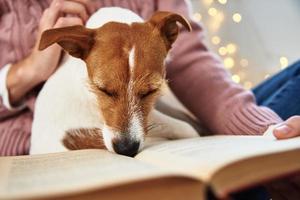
[6, 109]
[199, 80]
[15, 123]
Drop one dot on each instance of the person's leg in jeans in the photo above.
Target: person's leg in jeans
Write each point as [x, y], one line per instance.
[281, 93]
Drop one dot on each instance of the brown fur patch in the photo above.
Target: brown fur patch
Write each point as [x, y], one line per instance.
[83, 138]
[113, 42]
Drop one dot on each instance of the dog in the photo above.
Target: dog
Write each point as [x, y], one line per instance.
[103, 95]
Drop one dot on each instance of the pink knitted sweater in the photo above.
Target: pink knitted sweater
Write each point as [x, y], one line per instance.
[196, 75]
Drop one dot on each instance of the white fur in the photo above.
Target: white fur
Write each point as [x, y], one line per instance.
[66, 102]
[136, 129]
[135, 126]
[131, 59]
[109, 14]
[108, 135]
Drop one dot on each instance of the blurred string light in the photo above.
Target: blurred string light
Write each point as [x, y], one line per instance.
[237, 17]
[231, 48]
[236, 78]
[222, 51]
[197, 17]
[284, 62]
[212, 11]
[229, 62]
[228, 50]
[216, 40]
[222, 1]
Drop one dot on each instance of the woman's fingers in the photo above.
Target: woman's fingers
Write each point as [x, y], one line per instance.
[61, 8]
[75, 8]
[90, 5]
[288, 129]
[68, 21]
[50, 15]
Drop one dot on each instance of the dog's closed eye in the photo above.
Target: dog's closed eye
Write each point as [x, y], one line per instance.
[143, 95]
[83, 138]
[108, 93]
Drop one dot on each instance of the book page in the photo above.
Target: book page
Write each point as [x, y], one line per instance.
[201, 157]
[74, 171]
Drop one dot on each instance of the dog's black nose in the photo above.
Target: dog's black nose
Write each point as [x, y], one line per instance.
[125, 146]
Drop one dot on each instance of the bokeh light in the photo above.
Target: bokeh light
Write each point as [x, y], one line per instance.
[222, 1]
[216, 40]
[237, 17]
[231, 48]
[212, 12]
[284, 62]
[197, 17]
[236, 78]
[229, 62]
[222, 51]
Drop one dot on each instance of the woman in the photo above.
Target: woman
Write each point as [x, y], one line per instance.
[223, 106]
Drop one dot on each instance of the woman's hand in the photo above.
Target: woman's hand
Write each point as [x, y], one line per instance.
[288, 129]
[61, 13]
[40, 65]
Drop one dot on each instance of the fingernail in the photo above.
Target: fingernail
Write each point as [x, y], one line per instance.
[284, 129]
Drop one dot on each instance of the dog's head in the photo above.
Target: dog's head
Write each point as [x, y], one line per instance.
[125, 65]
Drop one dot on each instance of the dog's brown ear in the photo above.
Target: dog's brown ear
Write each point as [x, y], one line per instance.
[166, 23]
[76, 40]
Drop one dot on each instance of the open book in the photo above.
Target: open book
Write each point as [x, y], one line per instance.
[182, 169]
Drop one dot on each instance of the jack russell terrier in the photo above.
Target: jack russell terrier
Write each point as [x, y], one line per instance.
[104, 95]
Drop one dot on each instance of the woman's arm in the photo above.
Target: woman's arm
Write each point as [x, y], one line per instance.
[6, 109]
[21, 78]
[199, 80]
[24, 75]
[39, 65]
